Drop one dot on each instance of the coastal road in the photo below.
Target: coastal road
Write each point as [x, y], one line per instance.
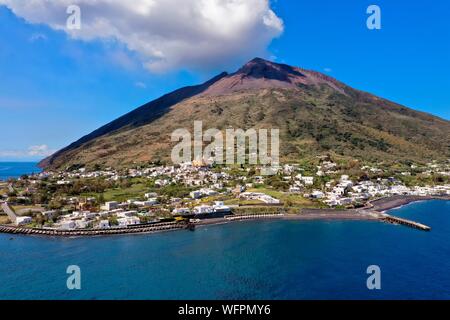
[10, 212]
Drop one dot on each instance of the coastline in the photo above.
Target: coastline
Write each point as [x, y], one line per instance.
[341, 215]
[388, 203]
[374, 211]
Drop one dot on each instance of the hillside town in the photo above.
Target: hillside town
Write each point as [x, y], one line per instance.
[108, 198]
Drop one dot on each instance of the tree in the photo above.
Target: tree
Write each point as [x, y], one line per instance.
[40, 219]
[55, 204]
[113, 221]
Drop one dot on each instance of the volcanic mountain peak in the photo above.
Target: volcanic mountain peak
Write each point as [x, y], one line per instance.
[262, 74]
[259, 68]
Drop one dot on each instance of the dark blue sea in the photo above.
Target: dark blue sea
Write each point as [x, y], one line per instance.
[16, 169]
[243, 260]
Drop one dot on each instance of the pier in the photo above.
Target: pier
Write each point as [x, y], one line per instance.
[405, 222]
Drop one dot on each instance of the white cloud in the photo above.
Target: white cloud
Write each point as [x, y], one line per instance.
[40, 150]
[167, 34]
[140, 85]
[37, 37]
[33, 151]
[328, 70]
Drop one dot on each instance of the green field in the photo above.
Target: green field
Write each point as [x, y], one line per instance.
[136, 191]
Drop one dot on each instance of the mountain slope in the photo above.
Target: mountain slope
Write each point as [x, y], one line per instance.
[315, 113]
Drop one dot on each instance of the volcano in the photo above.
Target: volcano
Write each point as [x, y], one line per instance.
[315, 114]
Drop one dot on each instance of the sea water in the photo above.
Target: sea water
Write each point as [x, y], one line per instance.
[16, 169]
[240, 260]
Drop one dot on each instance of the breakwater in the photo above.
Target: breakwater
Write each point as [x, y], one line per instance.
[96, 232]
[254, 216]
[405, 222]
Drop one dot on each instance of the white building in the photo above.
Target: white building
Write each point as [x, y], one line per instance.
[316, 194]
[203, 209]
[62, 182]
[89, 215]
[151, 195]
[81, 224]
[128, 221]
[308, 180]
[23, 220]
[259, 196]
[67, 225]
[181, 211]
[103, 224]
[126, 214]
[110, 205]
[146, 203]
[219, 207]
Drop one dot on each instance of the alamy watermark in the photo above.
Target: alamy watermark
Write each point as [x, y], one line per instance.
[374, 20]
[231, 148]
[74, 280]
[374, 280]
[73, 21]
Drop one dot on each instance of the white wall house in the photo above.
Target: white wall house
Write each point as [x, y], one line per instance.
[203, 209]
[181, 211]
[110, 205]
[220, 207]
[23, 220]
[81, 224]
[316, 194]
[146, 203]
[103, 224]
[308, 180]
[151, 195]
[126, 214]
[128, 221]
[67, 225]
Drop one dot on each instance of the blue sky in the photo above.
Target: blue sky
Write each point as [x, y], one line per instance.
[54, 88]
